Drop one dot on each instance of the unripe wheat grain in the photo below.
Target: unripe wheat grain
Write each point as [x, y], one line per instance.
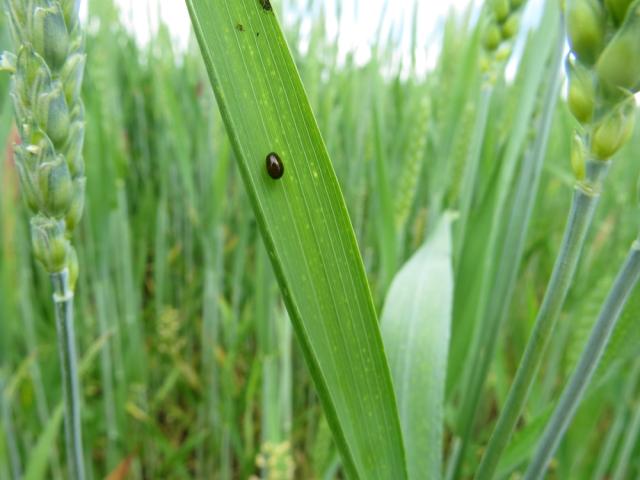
[47, 71]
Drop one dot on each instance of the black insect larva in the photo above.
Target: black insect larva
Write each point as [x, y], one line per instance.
[275, 167]
[266, 4]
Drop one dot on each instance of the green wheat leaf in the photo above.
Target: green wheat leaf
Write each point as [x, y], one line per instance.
[40, 454]
[305, 227]
[416, 324]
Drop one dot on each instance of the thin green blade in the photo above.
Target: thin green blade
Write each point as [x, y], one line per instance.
[306, 228]
[416, 324]
[40, 454]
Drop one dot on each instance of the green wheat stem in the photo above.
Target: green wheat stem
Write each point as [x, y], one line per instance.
[574, 391]
[614, 432]
[10, 434]
[472, 166]
[628, 445]
[42, 406]
[47, 69]
[486, 320]
[484, 346]
[106, 380]
[585, 200]
[601, 99]
[63, 300]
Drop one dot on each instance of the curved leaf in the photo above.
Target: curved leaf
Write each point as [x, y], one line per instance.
[416, 324]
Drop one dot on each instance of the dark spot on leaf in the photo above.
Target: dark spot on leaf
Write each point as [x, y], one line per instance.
[266, 4]
[240, 27]
[275, 167]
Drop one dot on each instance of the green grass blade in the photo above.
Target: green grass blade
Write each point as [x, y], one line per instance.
[39, 457]
[4, 461]
[625, 458]
[618, 423]
[306, 229]
[522, 444]
[416, 323]
[8, 433]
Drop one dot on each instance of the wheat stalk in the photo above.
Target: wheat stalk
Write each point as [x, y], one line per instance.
[47, 70]
[501, 24]
[602, 81]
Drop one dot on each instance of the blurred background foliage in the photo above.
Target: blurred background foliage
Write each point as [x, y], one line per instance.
[190, 368]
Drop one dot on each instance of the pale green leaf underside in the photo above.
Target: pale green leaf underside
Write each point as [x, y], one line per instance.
[416, 325]
[306, 229]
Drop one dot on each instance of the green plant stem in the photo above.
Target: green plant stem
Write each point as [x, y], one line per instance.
[12, 445]
[106, 378]
[614, 432]
[454, 459]
[574, 391]
[585, 200]
[536, 61]
[628, 445]
[471, 170]
[484, 346]
[63, 301]
[42, 406]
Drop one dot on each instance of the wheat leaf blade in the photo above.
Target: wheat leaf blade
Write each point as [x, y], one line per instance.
[416, 324]
[306, 228]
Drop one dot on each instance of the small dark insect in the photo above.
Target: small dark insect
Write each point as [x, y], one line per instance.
[275, 167]
[240, 27]
[266, 4]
